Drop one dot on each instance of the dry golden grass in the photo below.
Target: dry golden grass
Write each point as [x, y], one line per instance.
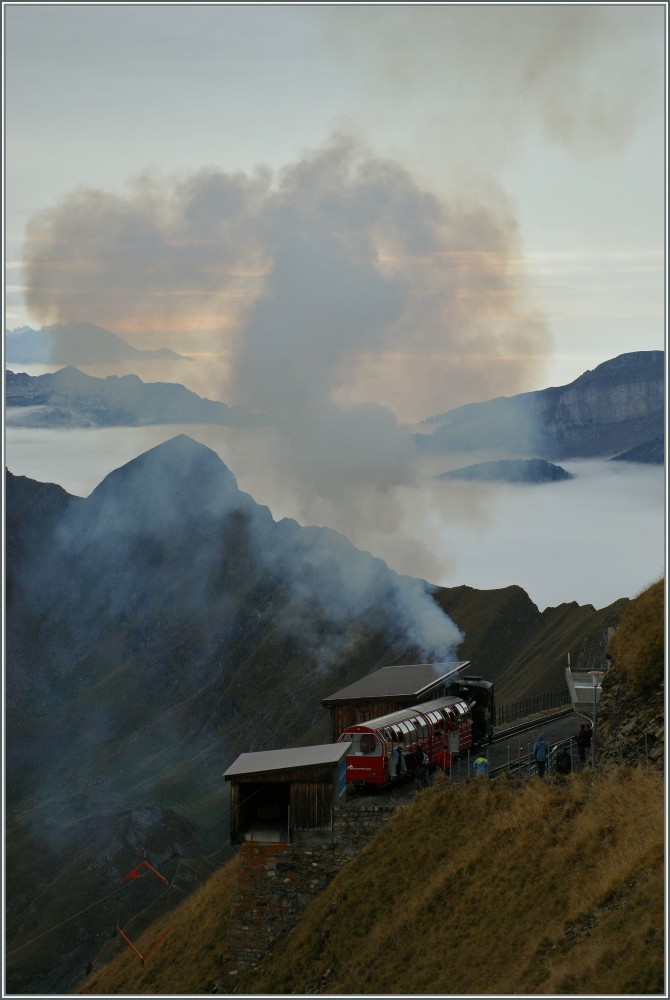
[638, 645]
[504, 886]
[496, 887]
[191, 955]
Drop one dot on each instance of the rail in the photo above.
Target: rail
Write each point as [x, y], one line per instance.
[535, 703]
[530, 724]
[524, 764]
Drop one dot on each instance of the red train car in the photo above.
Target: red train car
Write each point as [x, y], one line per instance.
[373, 759]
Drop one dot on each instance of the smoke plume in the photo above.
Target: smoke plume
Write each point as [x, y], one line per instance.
[335, 277]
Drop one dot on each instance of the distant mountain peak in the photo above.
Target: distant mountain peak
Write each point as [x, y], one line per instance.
[76, 343]
[158, 487]
[180, 454]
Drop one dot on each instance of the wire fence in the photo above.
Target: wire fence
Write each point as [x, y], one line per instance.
[528, 706]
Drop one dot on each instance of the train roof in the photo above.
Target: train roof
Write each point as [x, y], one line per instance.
[285, 759]
[404, 680]
[402, 714]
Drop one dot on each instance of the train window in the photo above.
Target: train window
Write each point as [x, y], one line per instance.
[363, 743]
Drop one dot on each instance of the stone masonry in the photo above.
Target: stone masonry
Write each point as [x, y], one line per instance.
[277, 882]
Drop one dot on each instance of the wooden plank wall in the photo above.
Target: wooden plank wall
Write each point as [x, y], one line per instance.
[311, 806]
[311, 797]
[350, 713]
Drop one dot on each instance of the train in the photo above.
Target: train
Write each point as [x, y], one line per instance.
[460, 721]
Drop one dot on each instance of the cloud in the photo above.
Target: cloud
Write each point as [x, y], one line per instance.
[322, 279]
[163, 253]
[481, 77]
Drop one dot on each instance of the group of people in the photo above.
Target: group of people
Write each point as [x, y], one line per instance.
[417, 763]
[540, 754]
[563, 762]
[414, 762]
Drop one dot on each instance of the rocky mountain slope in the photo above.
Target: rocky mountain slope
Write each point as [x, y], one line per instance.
[616, 407]
[632, 706]
[166, 623]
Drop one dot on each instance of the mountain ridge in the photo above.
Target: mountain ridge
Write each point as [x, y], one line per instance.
[616, 407]
[76, 343]
[71, 398]
[167, 622]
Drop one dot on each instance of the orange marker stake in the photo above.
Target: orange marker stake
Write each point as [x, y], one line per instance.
[132, 946]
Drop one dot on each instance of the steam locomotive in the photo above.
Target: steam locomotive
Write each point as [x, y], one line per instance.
[380, 747]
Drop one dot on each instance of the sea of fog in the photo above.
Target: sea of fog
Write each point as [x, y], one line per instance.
[593, 539]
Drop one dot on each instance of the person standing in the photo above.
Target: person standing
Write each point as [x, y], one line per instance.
[540, 753]
[399, 761]
[563, 761]
[444, 759]
[589, 738]
[582, 743]
[423, 769]
[412, 761]
[481, 766]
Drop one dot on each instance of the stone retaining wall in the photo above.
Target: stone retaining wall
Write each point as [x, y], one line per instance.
[277, 882]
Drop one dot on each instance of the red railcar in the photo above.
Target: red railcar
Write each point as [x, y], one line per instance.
[373, 759]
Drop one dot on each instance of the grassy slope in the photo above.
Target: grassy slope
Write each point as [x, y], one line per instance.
[511, 888]
[487, 887]
[188, 959]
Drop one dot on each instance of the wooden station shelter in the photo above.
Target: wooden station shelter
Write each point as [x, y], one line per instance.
[390, 689]
[286, 795]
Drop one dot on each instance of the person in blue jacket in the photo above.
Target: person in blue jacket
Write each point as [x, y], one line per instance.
[481, 766]
[541, 753]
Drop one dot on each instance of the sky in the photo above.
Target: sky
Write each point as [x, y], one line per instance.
[350, 216]
[536, 132]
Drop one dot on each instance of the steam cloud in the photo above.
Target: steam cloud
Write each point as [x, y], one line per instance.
[339, 271]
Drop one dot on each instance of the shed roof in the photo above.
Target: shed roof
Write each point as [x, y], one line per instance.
[287, 759]
[408, 679]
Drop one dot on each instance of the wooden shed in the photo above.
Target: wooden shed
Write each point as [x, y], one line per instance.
[286, 795]
[390, 689]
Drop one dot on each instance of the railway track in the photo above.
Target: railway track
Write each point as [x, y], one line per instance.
[522, 762]
[529, 724]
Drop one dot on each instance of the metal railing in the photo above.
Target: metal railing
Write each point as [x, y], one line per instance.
[528, 706]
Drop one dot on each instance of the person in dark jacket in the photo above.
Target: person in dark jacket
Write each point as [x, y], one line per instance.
[411, 761]
[582, 743]
[540, 753]
[399, 760]
[563, 761]
[424, 770]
